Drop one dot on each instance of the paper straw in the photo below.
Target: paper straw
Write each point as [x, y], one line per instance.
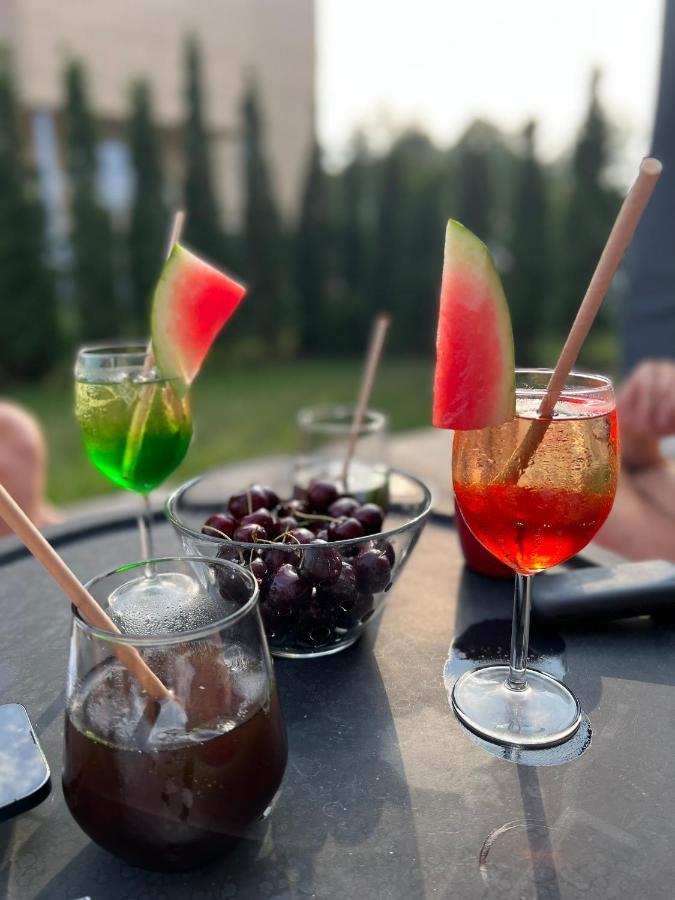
[617, 243]
[373, 354]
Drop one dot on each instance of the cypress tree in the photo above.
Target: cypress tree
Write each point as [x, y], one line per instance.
[29, 333]
[148, 227]
[311, 258]
[354, 184]
[203, 231]
[475, 189]
[352, 249]
[424, 262]
[93, 269]
[391, 251]
[590, 210]
[263, 239]
[529, 282]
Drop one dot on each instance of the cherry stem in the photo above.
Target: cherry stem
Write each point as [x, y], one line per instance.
[316, 516]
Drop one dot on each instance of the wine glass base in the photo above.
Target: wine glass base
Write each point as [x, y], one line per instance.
[544, 713]
[152, 601]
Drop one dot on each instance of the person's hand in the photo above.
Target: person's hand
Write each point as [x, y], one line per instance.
[646, 410]
[646, 402]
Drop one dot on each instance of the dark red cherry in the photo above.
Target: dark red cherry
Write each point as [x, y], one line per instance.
[220, 522]
[371, 516]
[373, 571]
[321, 564]
[262, 517]
[250, 534]
[288, 588]
[258, 567]
[301, 536]
[345, 506]
[345, 530]
[342, 590]
[246, 502]
[321, 493]
[271, 496]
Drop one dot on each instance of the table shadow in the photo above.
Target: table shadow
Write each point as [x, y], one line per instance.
[347, 774]
[483, 636]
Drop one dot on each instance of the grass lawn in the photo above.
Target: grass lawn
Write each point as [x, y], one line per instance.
[238, 413]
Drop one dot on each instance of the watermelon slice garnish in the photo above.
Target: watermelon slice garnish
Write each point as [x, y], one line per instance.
[192, 302]
[474, 384]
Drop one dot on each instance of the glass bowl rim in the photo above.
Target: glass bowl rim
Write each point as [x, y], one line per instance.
[163, 640]
[373, 420]
[240, 545]
[602, 384]
[104, 349]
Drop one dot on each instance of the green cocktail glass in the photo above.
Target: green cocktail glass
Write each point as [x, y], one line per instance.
[136, 424]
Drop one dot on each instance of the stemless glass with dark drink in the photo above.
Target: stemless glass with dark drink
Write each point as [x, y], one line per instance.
[173, 785]
[531, 517]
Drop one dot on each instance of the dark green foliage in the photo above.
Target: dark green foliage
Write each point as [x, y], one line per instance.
[589, 213]
[474, 205]
[264, 245]
[368, 238]
[355, 180]
[529, 282]
[149, 224]
[391, 255]
[203, 230]
[350, 250]
[29, 332]
[408, 250]
[311, 259]
[93, 266]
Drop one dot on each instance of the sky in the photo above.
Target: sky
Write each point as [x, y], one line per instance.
[386, 64]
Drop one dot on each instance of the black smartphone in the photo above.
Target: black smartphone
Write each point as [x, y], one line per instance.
[24, 774]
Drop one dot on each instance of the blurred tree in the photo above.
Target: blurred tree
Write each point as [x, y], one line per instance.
[391, 254]
[350, 250]
[355, 180]
[203, 230]
[474, 202]
[311, 259]
[529, 280]
[29, 327]
[93, 269]
[149, 219]
[264, 245]
[589, 212]
[409, 240]
[424, 254]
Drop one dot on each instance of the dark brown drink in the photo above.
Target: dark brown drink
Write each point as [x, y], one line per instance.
[167, 795]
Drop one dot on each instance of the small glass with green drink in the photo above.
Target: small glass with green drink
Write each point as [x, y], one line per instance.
[136, 423]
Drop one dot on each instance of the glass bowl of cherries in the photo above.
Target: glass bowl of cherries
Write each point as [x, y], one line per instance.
[325, 557]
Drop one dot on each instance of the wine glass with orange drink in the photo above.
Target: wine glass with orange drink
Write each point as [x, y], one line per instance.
[532, 521]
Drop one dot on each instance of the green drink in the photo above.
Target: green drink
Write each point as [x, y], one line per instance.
[135, 423]
[135, 453]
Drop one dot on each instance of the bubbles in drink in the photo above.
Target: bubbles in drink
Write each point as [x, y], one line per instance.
[165, 604]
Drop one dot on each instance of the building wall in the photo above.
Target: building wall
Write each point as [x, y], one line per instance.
[269, 40]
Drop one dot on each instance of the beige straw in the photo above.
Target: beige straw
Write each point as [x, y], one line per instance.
[146, 395]
[380, 326]
[50, 560]
[617, 243]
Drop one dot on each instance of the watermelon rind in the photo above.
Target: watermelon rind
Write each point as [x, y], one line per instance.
[474, 383]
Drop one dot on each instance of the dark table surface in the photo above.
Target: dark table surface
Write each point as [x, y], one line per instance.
[386, 795]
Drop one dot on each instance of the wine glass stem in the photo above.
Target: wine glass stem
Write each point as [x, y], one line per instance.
[145, 528]
[520, 632]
